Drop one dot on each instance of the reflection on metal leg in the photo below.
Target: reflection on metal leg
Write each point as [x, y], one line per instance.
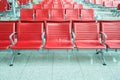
[12, 58]
[103, 59]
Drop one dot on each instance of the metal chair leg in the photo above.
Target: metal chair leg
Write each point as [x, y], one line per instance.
[97, 52]
[12, 58]
[18, 53]
[103, 58]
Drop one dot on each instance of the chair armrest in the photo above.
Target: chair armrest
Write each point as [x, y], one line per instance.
[101, 37]
[81, 16]
[43, 39]
[11, 38]
[73, 35]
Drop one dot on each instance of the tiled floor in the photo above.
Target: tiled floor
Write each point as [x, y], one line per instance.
[82, 65]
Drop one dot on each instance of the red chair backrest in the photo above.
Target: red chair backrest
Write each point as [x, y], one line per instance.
[47, 6]
[29, 31]
[118, 7]
[99, 2]
[78, 6]
[6, 28]
[72, 14]
[56, 31]
[68, 6]
[26, 14]
[57, 14]
[108, 3]
[112, 30]
[37, 6]
[86, 30]
[57, 6]
[42, 14]
[87, 14]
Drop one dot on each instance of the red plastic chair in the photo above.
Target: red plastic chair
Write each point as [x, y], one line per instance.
[47, 6]
[58, 35]
[108, 4]
[57, 14]
[99, 2]
[29, 37]
[87, 14]
[72, 14]
[118, 7]
[6, 29]
[87, 36]
[57, 6]
[78, 6]
[42, 14]
[37, 6]
[27, 14]
[68, 6]
[112, 31]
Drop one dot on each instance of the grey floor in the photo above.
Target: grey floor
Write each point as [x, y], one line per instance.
[60, 65]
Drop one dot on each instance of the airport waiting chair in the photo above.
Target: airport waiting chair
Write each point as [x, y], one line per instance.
[37, 6]
[68, 6]
[47, 6]
[78, 6]
[29, 37]
[72, 14]
[57, 14]
[87, 36]
[6, 29]
[87, 14]
[27, 14]
[58, 35]
[57, 6]
[42, 14]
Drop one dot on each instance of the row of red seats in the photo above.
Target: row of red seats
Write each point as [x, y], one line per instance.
[57, 2]
[106, 3]
[60, 35]
[23, 2]
[56, 14]
[56, 6]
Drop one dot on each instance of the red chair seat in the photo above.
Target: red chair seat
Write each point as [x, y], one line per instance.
[58, 45]
[114, 45]
[27, 45]
[89, 44]
[4, 45]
